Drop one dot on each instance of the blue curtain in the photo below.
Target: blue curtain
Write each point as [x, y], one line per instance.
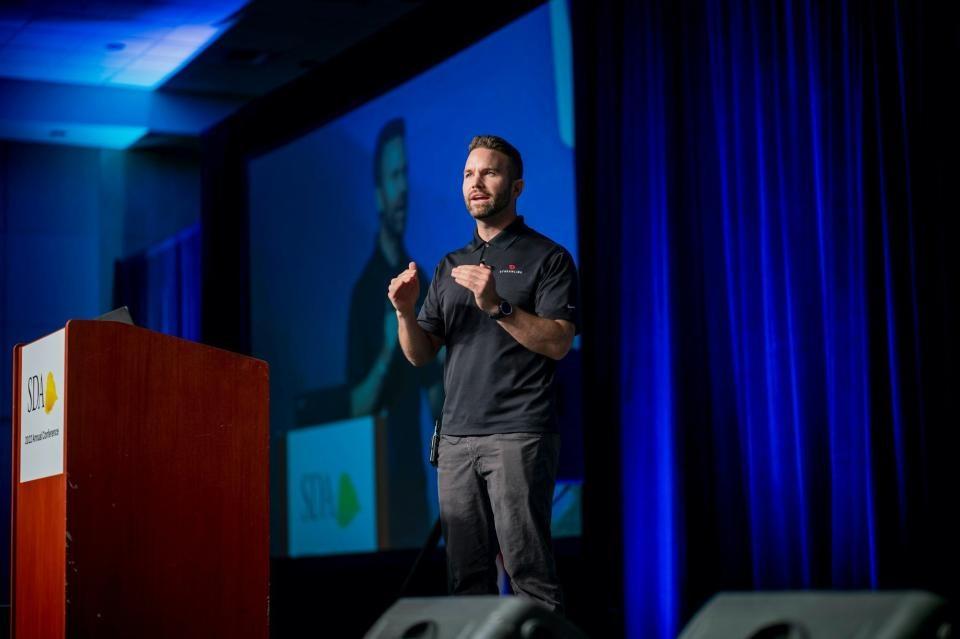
[786, 294]
[162, 285]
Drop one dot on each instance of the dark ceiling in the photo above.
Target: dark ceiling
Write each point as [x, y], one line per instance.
[274, 41]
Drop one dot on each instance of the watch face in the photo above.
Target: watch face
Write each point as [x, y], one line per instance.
[505, 307]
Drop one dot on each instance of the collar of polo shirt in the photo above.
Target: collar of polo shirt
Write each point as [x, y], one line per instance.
[504, 238]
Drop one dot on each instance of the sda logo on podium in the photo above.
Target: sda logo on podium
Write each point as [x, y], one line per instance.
[41, 419]
[40, 395]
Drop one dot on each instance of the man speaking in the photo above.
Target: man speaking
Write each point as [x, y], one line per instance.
[505, 306]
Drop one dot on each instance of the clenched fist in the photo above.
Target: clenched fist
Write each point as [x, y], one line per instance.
[404, 290]
[479, 280]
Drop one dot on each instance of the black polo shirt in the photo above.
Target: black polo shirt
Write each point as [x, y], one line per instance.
[492, 383]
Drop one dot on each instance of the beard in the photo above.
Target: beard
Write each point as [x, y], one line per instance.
[491, 208]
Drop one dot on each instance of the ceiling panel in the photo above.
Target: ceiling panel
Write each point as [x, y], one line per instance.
[74, 72]
[139, 44]
[275, 41]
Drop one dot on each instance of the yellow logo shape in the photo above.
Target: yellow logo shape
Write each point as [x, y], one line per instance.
[50, 394]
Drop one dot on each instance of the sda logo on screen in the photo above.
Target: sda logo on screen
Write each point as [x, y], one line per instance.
[40, 395]
[331, 487]
[319, 500]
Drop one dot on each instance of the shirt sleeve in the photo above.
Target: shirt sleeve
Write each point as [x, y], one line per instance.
[558, 289]
[430, 318]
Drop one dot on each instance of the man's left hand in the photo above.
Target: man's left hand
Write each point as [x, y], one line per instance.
[479, 280]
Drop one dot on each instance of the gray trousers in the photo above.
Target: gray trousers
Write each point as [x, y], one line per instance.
[496, 494]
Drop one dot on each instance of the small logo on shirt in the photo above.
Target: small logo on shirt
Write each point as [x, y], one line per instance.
[512, 269]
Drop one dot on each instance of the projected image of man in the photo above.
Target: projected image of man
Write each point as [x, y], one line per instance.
[379, 380]
[505, 307]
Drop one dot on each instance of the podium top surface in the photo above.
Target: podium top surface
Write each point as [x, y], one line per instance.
[111, 326]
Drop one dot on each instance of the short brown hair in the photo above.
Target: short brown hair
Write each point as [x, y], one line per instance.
[496, 143]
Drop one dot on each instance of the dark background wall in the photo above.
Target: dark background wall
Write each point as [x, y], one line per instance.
[66, 215]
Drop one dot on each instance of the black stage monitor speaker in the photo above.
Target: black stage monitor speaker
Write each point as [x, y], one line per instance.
[822, 615]
[471, 618]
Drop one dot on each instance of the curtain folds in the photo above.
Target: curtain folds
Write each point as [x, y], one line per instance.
[787, 295]
[161, 285]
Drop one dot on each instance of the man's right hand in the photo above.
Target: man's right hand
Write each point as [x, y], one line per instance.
[404, 290]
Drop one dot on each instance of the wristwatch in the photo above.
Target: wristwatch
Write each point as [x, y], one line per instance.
[504, 310]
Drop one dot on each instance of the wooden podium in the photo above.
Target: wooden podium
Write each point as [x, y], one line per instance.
[158, 523]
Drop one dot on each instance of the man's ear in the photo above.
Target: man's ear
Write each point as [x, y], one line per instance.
[517, 188]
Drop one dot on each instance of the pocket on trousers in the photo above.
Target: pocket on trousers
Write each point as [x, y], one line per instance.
[519, 436]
